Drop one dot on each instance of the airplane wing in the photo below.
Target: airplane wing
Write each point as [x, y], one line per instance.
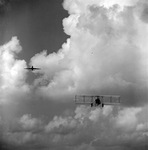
[33, 68]
[83, 99]
[36, 68]
[28, 68]
[89, 99]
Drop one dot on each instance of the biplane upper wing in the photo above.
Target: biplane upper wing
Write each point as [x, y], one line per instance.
[89, 99]
[110, 99]
[83, 99]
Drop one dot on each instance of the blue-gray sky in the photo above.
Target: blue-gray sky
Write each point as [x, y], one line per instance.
[82, 47]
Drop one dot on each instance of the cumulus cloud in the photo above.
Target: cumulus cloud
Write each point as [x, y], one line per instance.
[13, 86]
[127, 118]
[87, 128]
[98, 133]
[27, 122]
[105, 54]
[12, 73]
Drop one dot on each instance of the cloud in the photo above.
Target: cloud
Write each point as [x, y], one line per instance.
[93, 129]
[127, 118]
[105, 54]
[27, 122]
[20, 138]
[12, 73]
[87, 128]
[13, 86]
[61, 123]
[25, 132]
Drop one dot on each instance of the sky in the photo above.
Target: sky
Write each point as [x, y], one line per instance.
[89, 47]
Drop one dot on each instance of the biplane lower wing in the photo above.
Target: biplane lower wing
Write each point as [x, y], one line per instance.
[104, 99]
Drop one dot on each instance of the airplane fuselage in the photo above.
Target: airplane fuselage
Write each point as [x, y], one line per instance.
[32, 68]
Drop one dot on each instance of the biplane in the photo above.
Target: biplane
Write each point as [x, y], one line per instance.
[97, 100]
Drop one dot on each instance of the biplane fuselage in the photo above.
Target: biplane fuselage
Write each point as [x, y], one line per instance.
[97, 100]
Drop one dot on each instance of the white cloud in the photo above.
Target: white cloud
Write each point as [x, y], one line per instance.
[12, 73]
[104, 54]
[13, 86]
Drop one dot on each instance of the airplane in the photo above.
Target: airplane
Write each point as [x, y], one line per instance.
[97, 100]
[32, 68]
